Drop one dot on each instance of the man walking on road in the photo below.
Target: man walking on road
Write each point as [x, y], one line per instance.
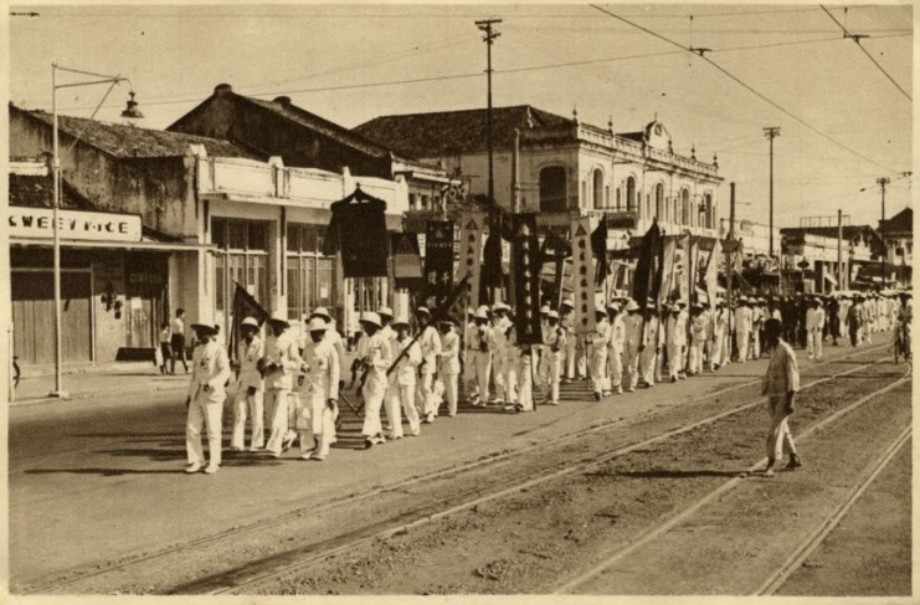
[780, 385]
[280, 362]
[210, 372]
[250, 388]
[177, 341]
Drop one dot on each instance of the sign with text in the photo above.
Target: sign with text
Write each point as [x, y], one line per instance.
[38, 223]
[472, 228]
[439, 260]
[583, 276]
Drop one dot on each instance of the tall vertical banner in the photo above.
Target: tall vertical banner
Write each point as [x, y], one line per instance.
[668, 264]
[712, 273]
[646, 266]
[439, 261]
[407, 264]
[358, 229]
[685, 269]
[526, 259]
[693, 268]
[583, 275]
[471, 234]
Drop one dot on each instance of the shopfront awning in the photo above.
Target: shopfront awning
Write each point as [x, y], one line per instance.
[141, 245]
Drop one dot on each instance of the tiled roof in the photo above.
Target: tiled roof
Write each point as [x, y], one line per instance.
[850, 232]
[283, 107]
[38, 191]
[436, 134]
[122, 141]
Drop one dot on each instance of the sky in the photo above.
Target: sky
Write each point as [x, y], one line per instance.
[844, 121]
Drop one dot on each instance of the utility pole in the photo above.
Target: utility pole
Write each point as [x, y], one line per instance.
[771, 132]
[883, 181]
[516, 174]
[839, 249]
[731, 265]
[486, 26]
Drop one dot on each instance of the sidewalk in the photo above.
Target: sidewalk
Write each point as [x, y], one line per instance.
[124, 377]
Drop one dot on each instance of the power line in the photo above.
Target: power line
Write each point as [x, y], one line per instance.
[856, 38]
[154, 101]
[746, 86]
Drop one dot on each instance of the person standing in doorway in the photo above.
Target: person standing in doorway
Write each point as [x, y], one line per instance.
[177, 340]
[780, 385]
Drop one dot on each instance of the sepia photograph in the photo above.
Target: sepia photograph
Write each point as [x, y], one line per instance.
[458, 299]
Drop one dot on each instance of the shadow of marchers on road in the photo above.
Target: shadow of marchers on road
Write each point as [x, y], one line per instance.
[105, 472]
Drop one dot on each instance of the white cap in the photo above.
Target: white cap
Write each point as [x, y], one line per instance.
[544, 310]
[250, 321]
[317, 324]
[371, 318]
[553, 314]
[481, 313]
[385, 311]
[632, 306]
[280, 317]
[568, 302]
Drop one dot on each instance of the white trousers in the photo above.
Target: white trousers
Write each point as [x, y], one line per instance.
[615, 367]
[202, 410]
[675, 359]
[426, 390]
[779, 436]
[648, 358]
[550, 369]
[393, 405]
[451, 391]
[243, 403]
[276, 411]
[483, 363]
[499, 373]
[598, 368]
[815, 343]
[631, 364]
[510, 368]
[526, 370]
[695, 364]
[373, 401]
[321, 424]
[406, 395]
[743, 342]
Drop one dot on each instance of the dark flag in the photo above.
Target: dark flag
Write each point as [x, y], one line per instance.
[644, 284]
[244, 305]
[492, 275]
[439, 260]
[526, 258]
[599, 248]
[358, 230]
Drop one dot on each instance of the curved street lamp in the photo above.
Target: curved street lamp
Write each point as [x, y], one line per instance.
[132, 112]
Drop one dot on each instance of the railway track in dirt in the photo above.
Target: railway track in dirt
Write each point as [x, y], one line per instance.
[258, 572]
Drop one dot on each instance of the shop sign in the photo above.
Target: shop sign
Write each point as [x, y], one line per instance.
[74, 224]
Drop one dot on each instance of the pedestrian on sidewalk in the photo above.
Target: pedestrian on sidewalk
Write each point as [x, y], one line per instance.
[814, 324]
[250, 389]
[177, 341]
[165, 347]
[206, 395]
[780, 385]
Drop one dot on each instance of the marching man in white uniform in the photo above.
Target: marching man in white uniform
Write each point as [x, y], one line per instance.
[554, 341]
[743, 322]
[321, 364]
[632, 330]
[449, 365]
[814, 326]
[615, 348]
[600, 341]
[430, 344]
[567, 321]
[280, 363]
[250, 389]
[676, 341]
[210, 372]
[377, 356]
[403, 378]
[699, 321]
[482, 344]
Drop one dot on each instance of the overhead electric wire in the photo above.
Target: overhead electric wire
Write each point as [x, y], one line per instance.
[744, 85]
[855, 38]
[174, 100]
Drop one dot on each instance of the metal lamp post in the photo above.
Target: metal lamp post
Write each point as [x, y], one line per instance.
[132, 112]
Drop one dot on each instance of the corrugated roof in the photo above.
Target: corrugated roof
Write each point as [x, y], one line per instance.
[451, 132]
[849, 231]
[122, 141]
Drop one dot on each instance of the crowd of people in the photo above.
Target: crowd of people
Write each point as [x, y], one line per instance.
[418, 367]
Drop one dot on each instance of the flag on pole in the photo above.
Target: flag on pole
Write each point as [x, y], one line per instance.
[668, 268]
[244, 305]
[583, 276]
[471, 236]
[526, 257]
[599, 248]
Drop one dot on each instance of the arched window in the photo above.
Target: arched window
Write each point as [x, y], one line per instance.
[618, 206]
[685, 207]
[631, 202]
[598, 183]
[552, 189]
[659, 202]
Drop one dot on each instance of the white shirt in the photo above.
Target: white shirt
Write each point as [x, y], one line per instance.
[210, 367]
[814, 319]
[430, 344]
[323, 371]
[249, 355]
[404, 374]
[282, 351]
[450, 353]
[178, 326]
